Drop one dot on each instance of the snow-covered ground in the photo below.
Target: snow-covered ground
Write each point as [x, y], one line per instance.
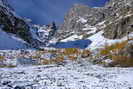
[72, 38]
[71, 75]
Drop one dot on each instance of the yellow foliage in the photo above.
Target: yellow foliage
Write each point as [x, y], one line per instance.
[2, 58]
[52, 51]
[113, 52]
[123, 61]
[51, 61]
[11, 66]
[58, 59]
[104, 52]
[45, 61]
[41, 52]
[35, 57]
[69, 51]
[73, 58]
[114, 48]
[7, 66]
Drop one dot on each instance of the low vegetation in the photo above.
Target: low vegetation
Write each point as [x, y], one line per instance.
[55, 55]
[117, 53]
[71, 51]
[2, 58]
[114, 52]
[113, 49]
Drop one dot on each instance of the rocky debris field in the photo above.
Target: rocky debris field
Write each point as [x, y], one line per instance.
[67, 75]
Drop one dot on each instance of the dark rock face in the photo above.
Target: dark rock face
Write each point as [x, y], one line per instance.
[120, 22]
[14, 24]
[11, 23]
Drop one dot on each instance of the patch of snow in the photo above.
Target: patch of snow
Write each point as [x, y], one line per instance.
[128, 15]
[54, 40]
[101, 23]
[82, 20]
[72, 38]
[90, 29]
[108, 61]
[18, 39]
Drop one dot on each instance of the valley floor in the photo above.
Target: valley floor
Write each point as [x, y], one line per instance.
[70, 75]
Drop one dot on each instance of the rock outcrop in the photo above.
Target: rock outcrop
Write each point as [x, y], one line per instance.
[120, 22]
[78, 18]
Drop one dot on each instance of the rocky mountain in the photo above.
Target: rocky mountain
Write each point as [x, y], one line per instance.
[10, 22]
[116, 15]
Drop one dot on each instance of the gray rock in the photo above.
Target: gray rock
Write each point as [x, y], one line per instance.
[73, 25]
[117, 15]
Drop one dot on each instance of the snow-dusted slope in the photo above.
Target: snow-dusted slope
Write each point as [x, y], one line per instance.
[72, 75]
[99, 41]
[8, 41]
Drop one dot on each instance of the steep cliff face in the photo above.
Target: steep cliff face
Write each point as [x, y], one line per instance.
[117, 15]
[71, 19]
[78, 18]
[120, 22]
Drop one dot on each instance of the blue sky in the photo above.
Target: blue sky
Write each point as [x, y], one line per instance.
[46, 11]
